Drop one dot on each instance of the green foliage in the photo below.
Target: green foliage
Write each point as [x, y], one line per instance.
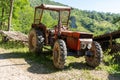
[22, 16]
[11, 45]
[4, 8]
[90, 21]
[116, 21]
[96, 22]
[49, 19]
[111, 62]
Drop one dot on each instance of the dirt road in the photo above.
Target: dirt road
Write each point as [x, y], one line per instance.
[13, 67]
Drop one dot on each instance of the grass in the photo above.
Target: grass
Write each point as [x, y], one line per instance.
[111, 62]
[17, 50]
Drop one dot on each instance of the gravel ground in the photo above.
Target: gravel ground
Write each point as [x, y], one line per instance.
[19, 69]
[15, 69]
[9, 71]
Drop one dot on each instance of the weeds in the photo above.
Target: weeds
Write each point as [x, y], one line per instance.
[110, 62]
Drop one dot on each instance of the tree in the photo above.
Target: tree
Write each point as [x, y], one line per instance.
[2, 16]
[10, 14]
[22, 17]
[3, 10]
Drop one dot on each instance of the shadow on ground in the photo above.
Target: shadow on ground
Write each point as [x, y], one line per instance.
[41, 64]
[114, 76]
[79, 65]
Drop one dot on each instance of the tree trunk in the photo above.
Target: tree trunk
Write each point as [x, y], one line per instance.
[10, 14]
[2, 12]
[2, 17]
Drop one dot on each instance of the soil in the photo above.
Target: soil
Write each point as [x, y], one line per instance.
[17, 68]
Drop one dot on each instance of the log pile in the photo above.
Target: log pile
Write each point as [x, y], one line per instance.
[15, 35]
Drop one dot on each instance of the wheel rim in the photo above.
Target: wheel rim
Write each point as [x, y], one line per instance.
[56, 54]
[59, 54]
[95, 59]
[33, 41]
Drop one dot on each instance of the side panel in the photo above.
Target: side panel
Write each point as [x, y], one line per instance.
[77, 40]
[73, 43]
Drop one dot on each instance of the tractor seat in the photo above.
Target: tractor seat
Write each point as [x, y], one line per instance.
[51, 32]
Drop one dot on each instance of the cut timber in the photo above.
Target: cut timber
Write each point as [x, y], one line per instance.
[15, 35]
[108, 36]
[108, 41]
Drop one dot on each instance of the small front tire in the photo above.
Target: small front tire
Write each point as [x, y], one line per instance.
[96, 58]
[59, 54]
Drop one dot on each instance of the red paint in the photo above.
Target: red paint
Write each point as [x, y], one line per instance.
[73, 41]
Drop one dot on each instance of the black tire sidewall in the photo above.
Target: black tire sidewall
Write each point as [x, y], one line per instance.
[61, 54]
[38, 46]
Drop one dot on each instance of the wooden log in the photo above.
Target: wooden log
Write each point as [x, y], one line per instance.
[14, 35]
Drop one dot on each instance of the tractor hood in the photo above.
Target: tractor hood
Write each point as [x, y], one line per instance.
[77, 34]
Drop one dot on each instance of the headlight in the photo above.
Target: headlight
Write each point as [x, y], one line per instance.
[89, 46]
[83, 45]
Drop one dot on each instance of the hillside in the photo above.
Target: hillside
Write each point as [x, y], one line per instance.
[81, 20]
[91, 21]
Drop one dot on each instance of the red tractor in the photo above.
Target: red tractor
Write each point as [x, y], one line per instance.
[62, 41]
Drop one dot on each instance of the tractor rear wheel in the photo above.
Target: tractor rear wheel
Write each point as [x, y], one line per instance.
[96, 55]
[35, 41]
[59, 54]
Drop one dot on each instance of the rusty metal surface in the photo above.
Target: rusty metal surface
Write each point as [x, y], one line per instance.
[53, 7]
[74, 34]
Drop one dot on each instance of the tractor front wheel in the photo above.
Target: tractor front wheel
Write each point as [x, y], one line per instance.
[59, 54]
[95, 55]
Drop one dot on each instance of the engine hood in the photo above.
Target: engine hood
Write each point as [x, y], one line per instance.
[77, 34]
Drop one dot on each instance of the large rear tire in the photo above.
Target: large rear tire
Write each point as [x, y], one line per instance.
[35, 41]
[97, 55]
[59, 54]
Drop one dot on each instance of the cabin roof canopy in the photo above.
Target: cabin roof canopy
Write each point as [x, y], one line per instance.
[54, 7]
